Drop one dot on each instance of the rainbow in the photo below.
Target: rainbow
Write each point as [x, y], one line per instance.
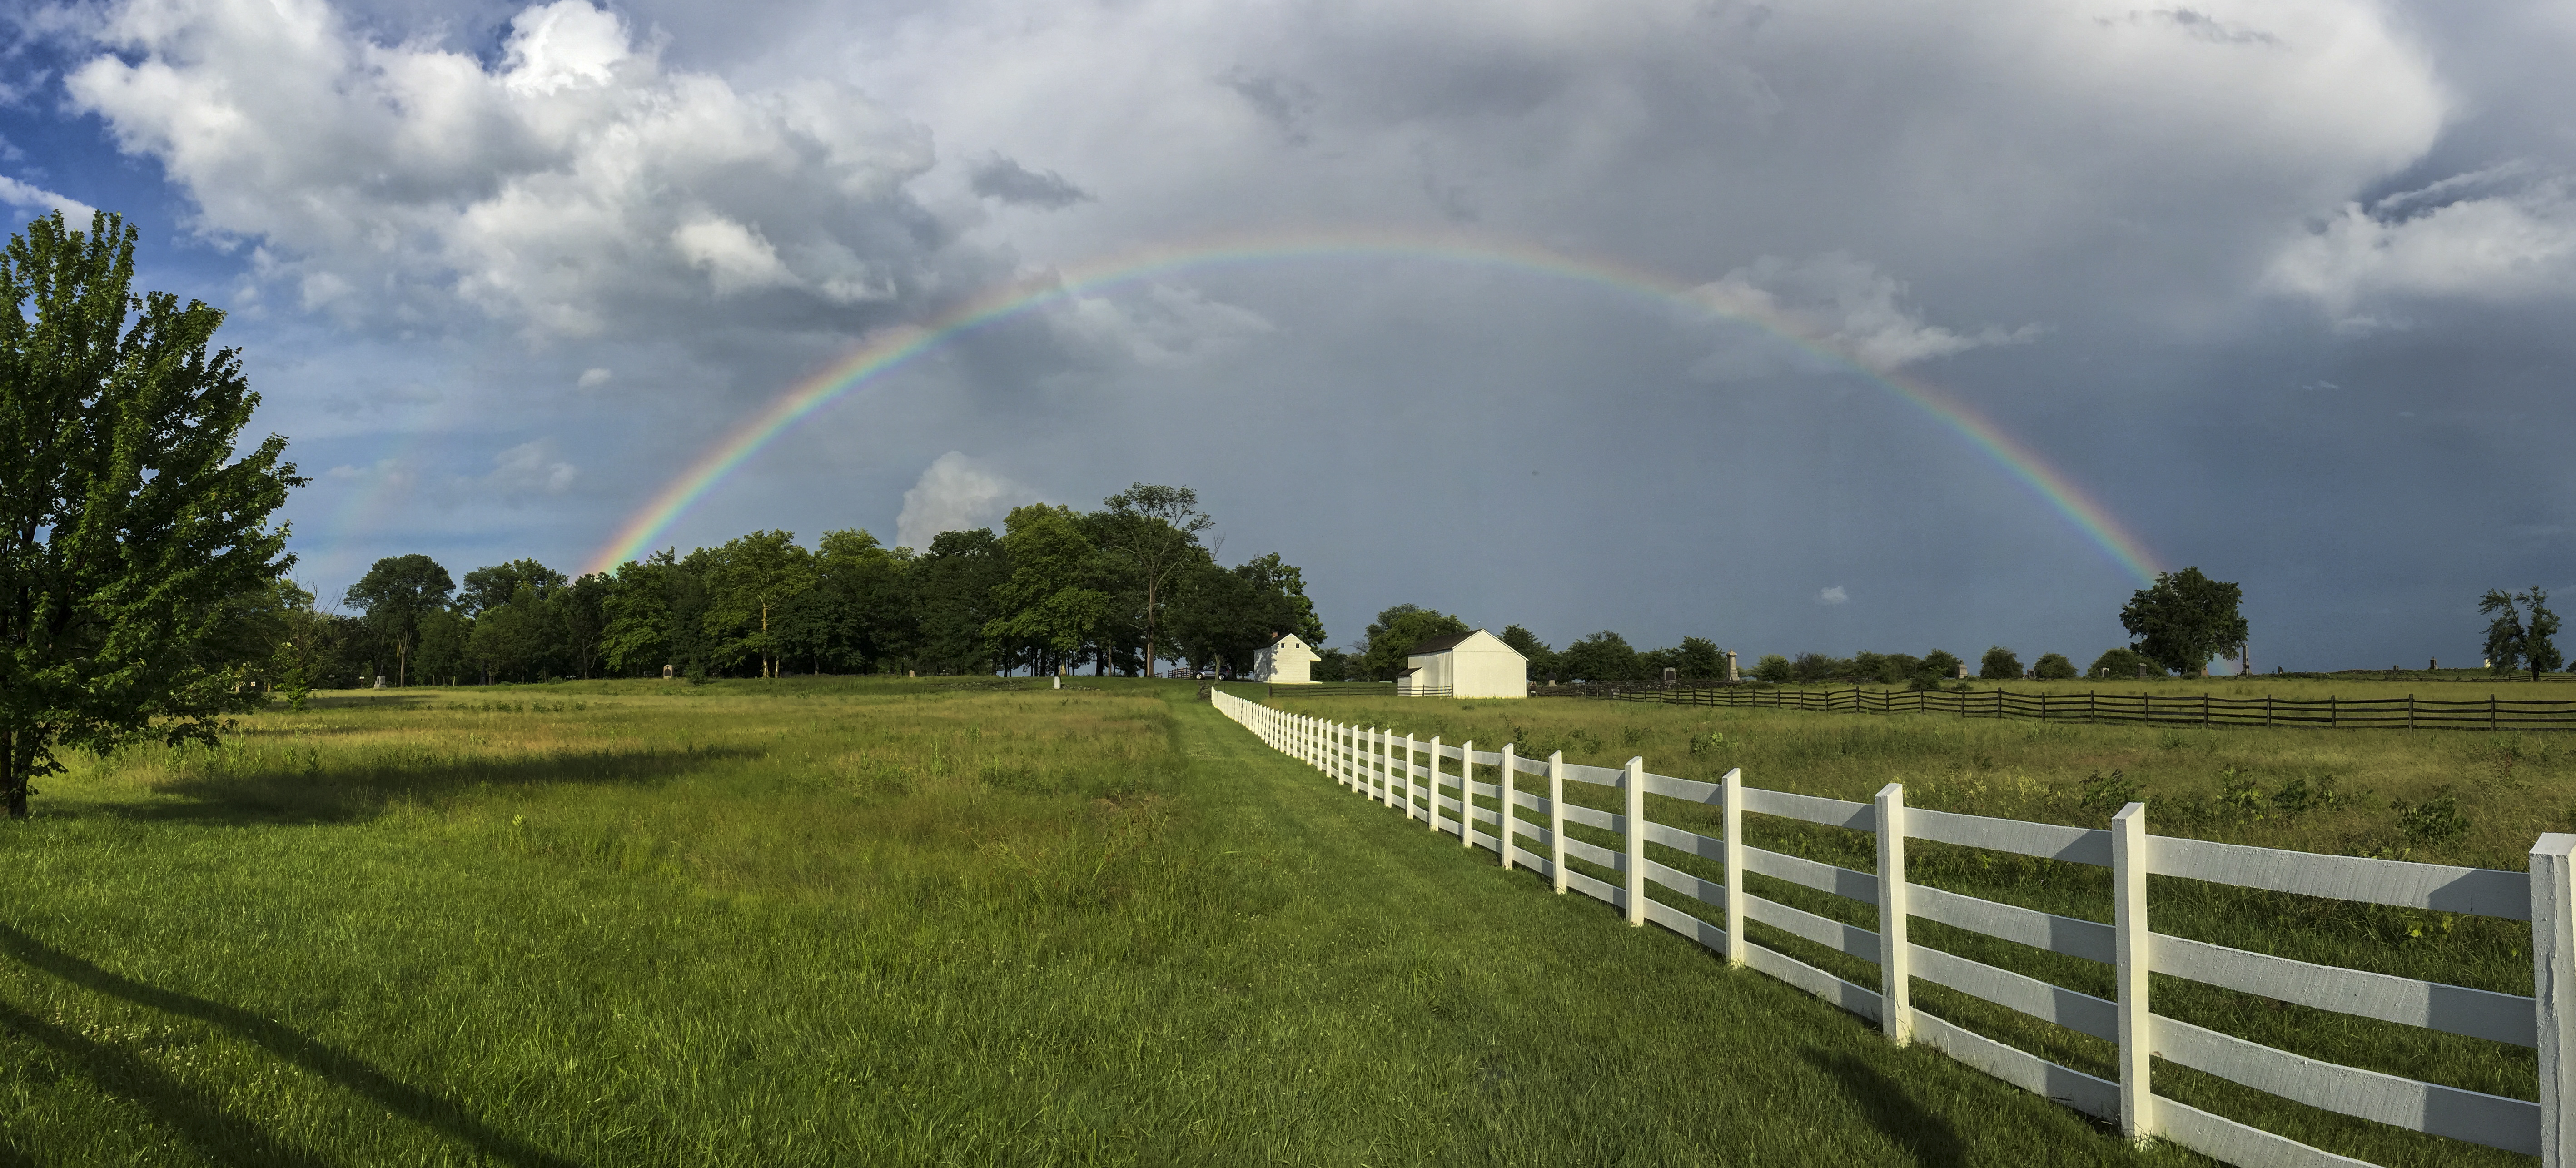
[891, 350]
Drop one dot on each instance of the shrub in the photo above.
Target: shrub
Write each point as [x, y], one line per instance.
[1773, 668]
[2122, 664]
[1999, 664]
[1941, 664]
[2054, 667]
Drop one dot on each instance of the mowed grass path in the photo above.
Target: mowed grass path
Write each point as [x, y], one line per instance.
[819, 923]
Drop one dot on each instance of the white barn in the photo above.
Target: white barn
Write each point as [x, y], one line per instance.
[1471, 665]
[1286, 661]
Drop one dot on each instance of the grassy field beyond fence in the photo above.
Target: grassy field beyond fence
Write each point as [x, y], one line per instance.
[833, 922]
[2450, 797]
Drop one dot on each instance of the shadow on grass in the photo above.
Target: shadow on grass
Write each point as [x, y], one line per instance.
[195, 1114]
[1888, 1106]
[344, 794]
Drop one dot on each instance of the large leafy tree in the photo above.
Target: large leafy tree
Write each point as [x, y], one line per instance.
[499, 584]
[1048, 607]
[1603, 656]
[952, 599]
[1392, 636]
[130, 521]
[2184, 619]
[395, 594]
[1541, 658]
[751, 579]
[1155, 530]
[2514, 641]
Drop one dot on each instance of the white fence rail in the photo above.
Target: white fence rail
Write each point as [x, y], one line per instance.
[1435, 783]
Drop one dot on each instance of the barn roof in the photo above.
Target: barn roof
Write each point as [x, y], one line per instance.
[1441, 644]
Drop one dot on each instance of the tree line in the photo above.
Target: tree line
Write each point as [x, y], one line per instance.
[1110, 590]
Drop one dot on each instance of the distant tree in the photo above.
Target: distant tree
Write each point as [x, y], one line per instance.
[643, 615]
[2513, 641]
[130, 521]
[1939, 664]
[1048, 605]
[1999, 664]
[581, 617]
[2184, 619]
[1155, 531]
[2053, 667]
[2122, 664]
[443, 649]
[750, 578]
[499, 584]
[1330, 665]
[1810, 668]
[1542, 660]
[308, 647]
[1603, 656]
[1392, 636]
[512, 640]
[952, 599]
[1697, 657]
[1773, 668]
[394, 595]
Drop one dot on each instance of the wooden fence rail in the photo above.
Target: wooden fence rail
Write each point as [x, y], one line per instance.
[2406, 713]
[1438, 785]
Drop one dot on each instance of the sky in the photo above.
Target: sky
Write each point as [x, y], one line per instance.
[1825, 326]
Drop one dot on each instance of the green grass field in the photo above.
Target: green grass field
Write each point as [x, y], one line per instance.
[2454, 797]
[846, 922]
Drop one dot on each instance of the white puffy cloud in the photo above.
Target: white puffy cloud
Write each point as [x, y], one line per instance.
[592, 378]
[955, 494]
[2501, 234]
[36, 200]
[1846, 305]
[1833, 595]
[579, 186]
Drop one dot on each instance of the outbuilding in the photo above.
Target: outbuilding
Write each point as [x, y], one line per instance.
[1469, 665]
[1286, 661]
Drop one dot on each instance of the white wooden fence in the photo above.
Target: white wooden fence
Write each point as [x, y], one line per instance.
[1414, 776]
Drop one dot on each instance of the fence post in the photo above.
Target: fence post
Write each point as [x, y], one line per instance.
[1408, 774]
[1635, 784]
[1431, 793]
[1382, 777]
[2553, 980]
[2129, 863]
[1556, 817]
[1895, 970]
[1467, 793]
[1734, 818]
[1507, 783]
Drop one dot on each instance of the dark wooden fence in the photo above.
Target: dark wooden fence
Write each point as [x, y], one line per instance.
[2406, 713]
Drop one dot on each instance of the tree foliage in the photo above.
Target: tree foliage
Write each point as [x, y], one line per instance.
[135, 546]
[1999, 664]
[2515, 641]
[393, 597]
[1392, 636]
[2184, 619]
[2053, 667]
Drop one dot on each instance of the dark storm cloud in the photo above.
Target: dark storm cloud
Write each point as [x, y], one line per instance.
[1005, 179]
[2062, 215]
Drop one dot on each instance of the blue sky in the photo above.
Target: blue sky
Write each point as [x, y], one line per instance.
[2283, 285]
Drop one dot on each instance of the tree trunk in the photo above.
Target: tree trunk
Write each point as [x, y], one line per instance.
[13, 777]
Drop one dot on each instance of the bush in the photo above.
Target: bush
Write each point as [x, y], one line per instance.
[1814, 667]
[1999, 664]
[2123, 664]
[1330, 665]
[2054, 667]
[1773, 668]
[1941, 664]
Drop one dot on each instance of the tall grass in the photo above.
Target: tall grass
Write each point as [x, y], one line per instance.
[2452, 797]
[818, 922]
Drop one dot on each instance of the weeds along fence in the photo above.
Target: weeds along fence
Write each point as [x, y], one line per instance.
[2406, 713]
[1435, 783]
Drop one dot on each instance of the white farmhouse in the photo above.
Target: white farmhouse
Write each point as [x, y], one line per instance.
[1285, 661]
[1471, 665]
